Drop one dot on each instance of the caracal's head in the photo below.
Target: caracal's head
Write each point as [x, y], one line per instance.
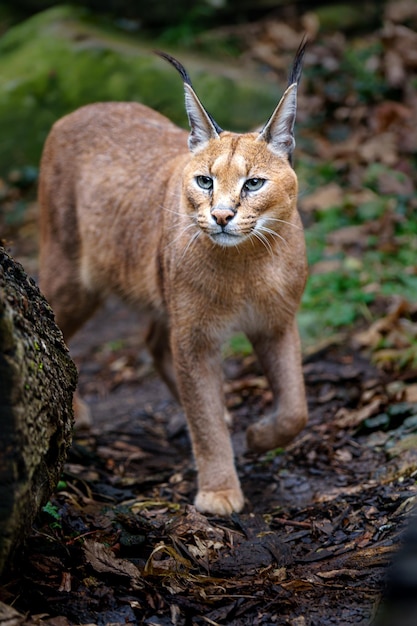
[241, 186]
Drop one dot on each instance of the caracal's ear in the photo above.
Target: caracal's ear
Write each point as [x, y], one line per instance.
[278, 132]
[203, 127]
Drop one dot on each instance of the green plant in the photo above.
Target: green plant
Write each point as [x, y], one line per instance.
[341, 296]
[53, 511]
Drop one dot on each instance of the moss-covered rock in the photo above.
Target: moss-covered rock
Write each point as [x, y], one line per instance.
[59, 60]
[37, 382]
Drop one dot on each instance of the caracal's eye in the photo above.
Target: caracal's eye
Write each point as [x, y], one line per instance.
[253, 184]
[205, 182]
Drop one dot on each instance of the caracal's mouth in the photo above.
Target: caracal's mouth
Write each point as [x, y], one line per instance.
[227, 238]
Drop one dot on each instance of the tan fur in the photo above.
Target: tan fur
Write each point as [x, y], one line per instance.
[121, 212]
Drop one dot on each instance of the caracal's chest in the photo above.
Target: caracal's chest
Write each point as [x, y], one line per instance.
[232, 291]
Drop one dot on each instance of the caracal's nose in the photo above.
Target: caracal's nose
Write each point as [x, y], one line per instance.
[223, 216]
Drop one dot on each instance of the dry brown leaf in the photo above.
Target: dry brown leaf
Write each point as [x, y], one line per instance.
[298, 585]
[279, 33]
[371, 337]
[410, 393]
[102, 559]
[204, 547]
[107, 452]
[400, 10]
[345, 572]
[164, 560]
[66, 581]
[386, 358]
[348, 149]
[394, 69]
[256, 382]
[381, 148]
[406, 444]
[389, 113]
[348, 418]
[9, 616]
[403, 40]
[349, 235]
[336, 492]
[194, 522]
[325, 266]
[325, 197]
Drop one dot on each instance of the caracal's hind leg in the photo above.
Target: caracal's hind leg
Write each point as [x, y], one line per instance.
[158, 344]
[280, 358]
[73, 304]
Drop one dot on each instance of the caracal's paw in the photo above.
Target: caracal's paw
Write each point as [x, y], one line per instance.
[270, 433]
[223, 502]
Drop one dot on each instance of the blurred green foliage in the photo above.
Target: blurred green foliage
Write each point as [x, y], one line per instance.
[343, 295]
[59, 60]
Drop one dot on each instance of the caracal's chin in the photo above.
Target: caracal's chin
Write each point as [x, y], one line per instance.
[227, 239]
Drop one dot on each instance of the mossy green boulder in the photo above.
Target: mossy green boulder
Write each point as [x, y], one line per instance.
[60, 59]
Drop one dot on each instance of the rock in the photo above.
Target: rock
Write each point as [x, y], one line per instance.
[37, 381]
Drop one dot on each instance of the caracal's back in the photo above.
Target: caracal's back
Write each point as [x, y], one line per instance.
[105, 172]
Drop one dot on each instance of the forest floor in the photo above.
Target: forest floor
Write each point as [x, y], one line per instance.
[121, 543]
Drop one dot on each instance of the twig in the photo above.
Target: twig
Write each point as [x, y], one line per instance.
[288, 522]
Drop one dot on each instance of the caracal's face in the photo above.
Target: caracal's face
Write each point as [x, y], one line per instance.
[237, 189]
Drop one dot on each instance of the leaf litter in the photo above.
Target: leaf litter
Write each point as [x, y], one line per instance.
[322, 523]
[120, 543]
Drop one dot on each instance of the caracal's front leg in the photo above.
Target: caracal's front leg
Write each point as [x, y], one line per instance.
[280, 358]
[200, 384]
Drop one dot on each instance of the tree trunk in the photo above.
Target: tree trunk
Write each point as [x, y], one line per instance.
[37, 381]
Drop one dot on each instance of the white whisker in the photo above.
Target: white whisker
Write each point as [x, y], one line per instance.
[170, 210]
[265, 229]
[192, 240]
[177, 225]
[276, 219]
[183, 231]
[263, 240]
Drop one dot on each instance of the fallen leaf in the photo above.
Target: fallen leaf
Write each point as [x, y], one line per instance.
[381, 148]
[351, 418]
[102, 559]
[411, 393]
[325, 266]
[400, 11]
[371, 337]
[405, 444]
[344, 572]
[389, 113]
[349, 235]
[326, 197]
[9, 616]
[65, 582]
[203, 547]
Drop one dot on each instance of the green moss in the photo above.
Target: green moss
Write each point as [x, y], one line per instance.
[58, 60]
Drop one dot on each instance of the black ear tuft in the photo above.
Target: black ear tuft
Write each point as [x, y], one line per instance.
[203, 126]
[278, 132]
[297, 66]
[187, 81]
[178, 66]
